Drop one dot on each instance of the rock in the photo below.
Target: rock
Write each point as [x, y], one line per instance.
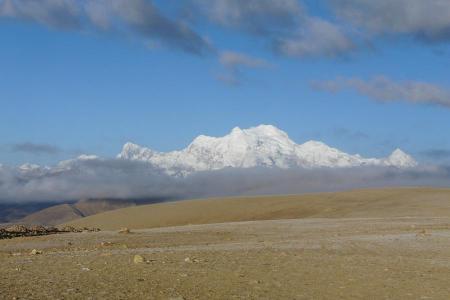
[69, 229]
[35, 252]
[17, 229]
[105, 244]
[37, 229]
[191, 260]
[138, 259]
[124, 230]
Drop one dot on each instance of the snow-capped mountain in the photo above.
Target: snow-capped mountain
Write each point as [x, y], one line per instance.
[261, 146]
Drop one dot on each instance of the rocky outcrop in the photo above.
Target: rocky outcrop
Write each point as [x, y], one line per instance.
[13, 231]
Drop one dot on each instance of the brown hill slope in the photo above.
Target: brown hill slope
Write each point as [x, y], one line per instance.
[67, 212]
[400, 202]
[53, 215]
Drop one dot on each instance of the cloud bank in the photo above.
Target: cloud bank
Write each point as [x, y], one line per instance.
[115, 178]
[384, 89]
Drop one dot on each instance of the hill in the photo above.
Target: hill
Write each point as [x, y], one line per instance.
[67, 212]
[374, 203]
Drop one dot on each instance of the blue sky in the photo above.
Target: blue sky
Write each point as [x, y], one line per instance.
[66, 91]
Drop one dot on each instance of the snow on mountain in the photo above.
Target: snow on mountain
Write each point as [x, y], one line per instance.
[261, 146]
[400, 159]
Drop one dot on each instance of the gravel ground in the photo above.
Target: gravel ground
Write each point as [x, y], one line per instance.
[395, 258]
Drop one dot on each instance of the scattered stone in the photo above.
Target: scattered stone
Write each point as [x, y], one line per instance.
[84, 229]
[85, 269]
[138, 259]
[69, 229]
[423, 232]
[124, 231]
[35, 252]
[17, 229]
[191, 260]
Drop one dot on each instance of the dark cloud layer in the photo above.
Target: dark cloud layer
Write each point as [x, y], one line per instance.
[127, 179]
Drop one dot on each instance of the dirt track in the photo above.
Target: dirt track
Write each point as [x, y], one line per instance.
[392, 258]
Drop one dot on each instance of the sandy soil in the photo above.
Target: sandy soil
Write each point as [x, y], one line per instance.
[359, 258]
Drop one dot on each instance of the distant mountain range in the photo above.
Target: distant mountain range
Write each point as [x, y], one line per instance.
[261, 146]
[264, 146]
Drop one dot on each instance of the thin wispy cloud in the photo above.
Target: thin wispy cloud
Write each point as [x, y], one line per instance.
[37, 149]
[234, 63]
[384, 89]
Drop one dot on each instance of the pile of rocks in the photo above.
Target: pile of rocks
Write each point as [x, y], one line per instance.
[73, 229]
[22, 230]
[17, 230]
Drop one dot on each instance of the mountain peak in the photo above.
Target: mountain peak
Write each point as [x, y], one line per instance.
[266, 130]
[399, 158]
[135, 152]
[236, 130]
